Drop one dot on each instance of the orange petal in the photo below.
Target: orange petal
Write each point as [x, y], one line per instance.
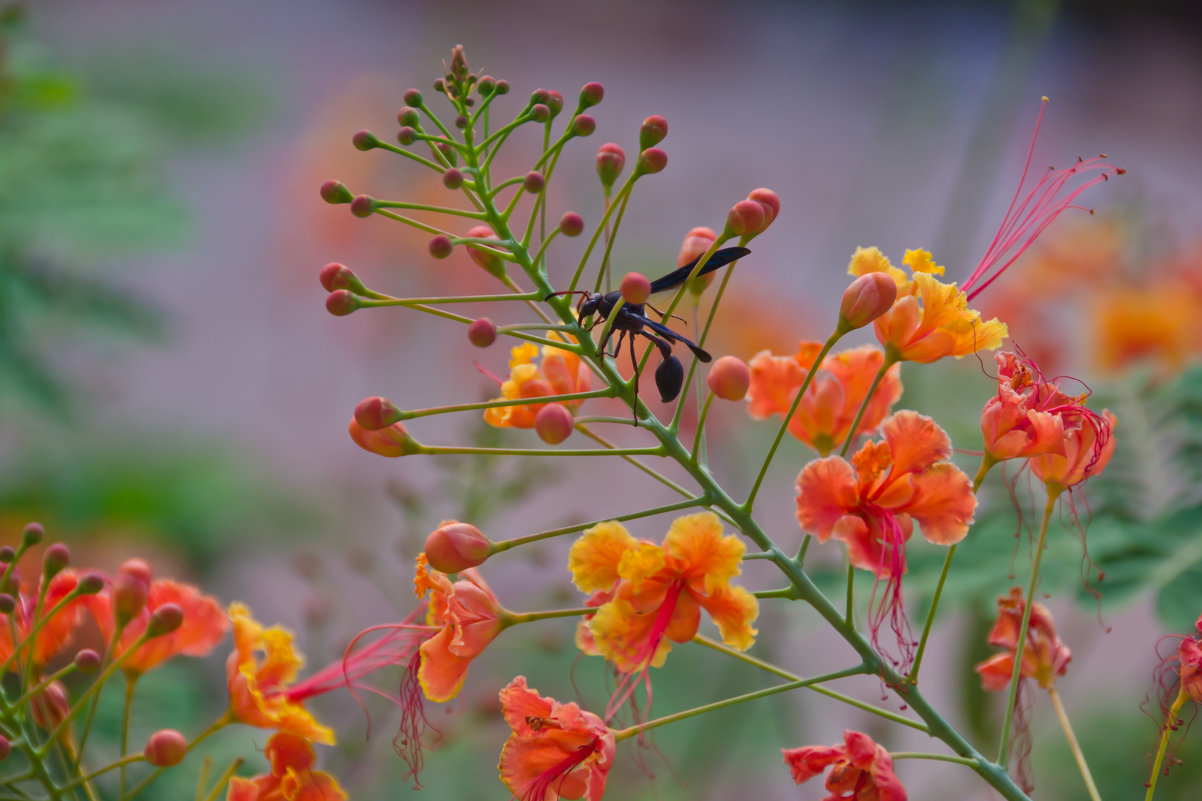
[697, 542]
[943, 503]
[916, 441]
[595, 556]
[733, 610]
[826, 491]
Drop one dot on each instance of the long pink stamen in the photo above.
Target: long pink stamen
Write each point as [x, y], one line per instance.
[646, 652]
[890, 605]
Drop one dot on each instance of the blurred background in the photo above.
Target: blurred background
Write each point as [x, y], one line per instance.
[172, 387]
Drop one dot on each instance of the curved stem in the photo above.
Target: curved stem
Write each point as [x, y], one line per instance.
[556, 532]
[1170, 722]
[926, 629]
[876, 380]
[1073, 745]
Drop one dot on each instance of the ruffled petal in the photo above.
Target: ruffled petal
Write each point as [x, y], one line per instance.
[826, 491]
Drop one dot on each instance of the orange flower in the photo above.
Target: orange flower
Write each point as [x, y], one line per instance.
[861, 770]
[204, 625]
[292, 777]
[1044, 656]
[259, 688]
[562, 372]
[930, 319]
[1088, 446]
[824, 416]
[1025, 419]
[55, 632]
[466, 615]
[870, 504]
[556, 750]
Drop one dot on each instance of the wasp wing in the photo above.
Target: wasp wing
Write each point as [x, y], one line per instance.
[719, 259]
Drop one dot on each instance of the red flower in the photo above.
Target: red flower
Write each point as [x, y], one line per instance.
[55, 632]
[1045, 656]
[861, 770]
[292, 777]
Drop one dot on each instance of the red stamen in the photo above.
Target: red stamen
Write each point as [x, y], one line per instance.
[554, 777]
[646, 652]
[890, 605]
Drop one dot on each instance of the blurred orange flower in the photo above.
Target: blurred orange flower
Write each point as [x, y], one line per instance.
[562, 372]
[861, 770]
[55, 632]
[1025, 418]
[1045, 656]
[292, 777]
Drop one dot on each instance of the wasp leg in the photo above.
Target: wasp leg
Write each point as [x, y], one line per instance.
[661, 314]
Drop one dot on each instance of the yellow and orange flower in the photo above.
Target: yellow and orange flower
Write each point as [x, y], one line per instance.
[1088, 446]
[861, 770]
[292, 777]
[930, 319]
[562, 372]
[556, 750]
[649, 595]
[823, 418]
[55, 632]
[1045, 656]
[258, 673]
[1025, 418]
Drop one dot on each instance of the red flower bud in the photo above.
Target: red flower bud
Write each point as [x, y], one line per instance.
[7, 603]
[455, 546]
[87, 661]
[769, 200]
[485, 85]
[452, 178]
[363, 206]
[90, 583]
[166, 747]
[341, 303]
[555, 102]
[534, 182]
[32, 534]
[164, 620]
[336, 276]
[50, 706]
[407, 135]
[502, 87]
[128, 596]
[375, 413]
[554, 423]
[413, 97]
[441, 247]
[482, 333]
[392, 441]
[591, 94]
[57, 557]
[745, 217]
[540, 96]
[651, 160]
[491, 263]
[571, 224]
[408, 116]
[729, 378]
[5, 748]
[540, 112]
[583, 125]
[868, 297]
[653, 131]
[610, 161]
[364, 140]
[636, 288]
[7, 554]
[335, 192]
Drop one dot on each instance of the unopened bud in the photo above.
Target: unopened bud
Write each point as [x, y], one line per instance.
[534, 182]
[502, 87]
[555, 102]
[669, 378]
[7, 554]
[571, 224]
[485, 85]
[50, 706]
[5, 748]
[745, 217]
[392, 441]
[408, 116]
[164, 620]
[7, 603]
[460, 121]
[363, 206]
[364, 140]
[653, 131]
[448, 153]
[128, 597]
[335, 192]
[696, 242]
[336, 276]
[610, 161]
[407, 135]
[729, 378]
[87, 661]
[452, 178]
[540, 112]
[554, 423]
[583, 125]
[341, 302]
[591, 94]
[89, 583]
[868, 297]
[482, 332]
[166, 747]
[440, 247]
[57, 557]
[413, 97]
[769, 200]
[651, 160]
[540, 96]
[439, 86]
[455, 546]
[376, 413]
[487, 259]
[32, 534]
[635, 288]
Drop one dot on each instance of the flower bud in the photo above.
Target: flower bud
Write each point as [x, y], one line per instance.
[653, 131]
[554, 423]
[5, 748]
[769, 200]
[610, 161]
[455, 546]
[452, 178]
[485, 85]
[571, 224]
[364, 140]
[139, 568]
[669, 378]
[745, 217]
[166, 747]
[502, 87]
[461, 121]
[440, 247]
[7, 555]
[376, 413]
[540, 96]
[583, 125]
[534, 182]
[555, 102]
[341, 302]
[651, 160]
[448, 153]
[413, 97]
[591, 94]
[407, 135]
[7, 603]
[50, 706]
[128, 596]
[540, 112]
[482, 332]
[164, 620]
[729, 378]
[392, 441]
[635, 288]
[696, 242]
[32, 534]
[335, 192]
[491, 263]
[89, 583]
[408, 116]
[439, 86]
[335, 276]
[868, 297]
[87, 661]
[363, 206]
[57, 557]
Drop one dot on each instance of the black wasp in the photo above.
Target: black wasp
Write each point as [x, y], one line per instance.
[632, 320]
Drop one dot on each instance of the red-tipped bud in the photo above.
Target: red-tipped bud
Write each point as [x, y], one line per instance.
[745, 217]
[364, 140]
[5, 748]
[653, 131]
[502, 87]
[485, 85]
[571, 224]
[540, 112]
[540, 96]
[439, 86]
[50, 706]
[555, 102]
[440, 247]
[57, 557]
[729, 378]
[448, 153]
[336, 276]
[407, 135]
[166, 747]
[363, 206]
[486, 259]
[32, 534]
[90, 583]
[7, 603]
[392, 441]
[408, 116]
[452, 178]
[335, 192]
[87, 661]
[769, 200]
[635, 288]
[591, 94]
[583, 125]
[413, 97]
[128, 596]
[482, 332]
[868, 297]
[340, 302]
[554, 423]
[455, 546]
[375, 413]
[164, 620]
[7, 554]
[610, 161]
[461, 121]
[651, 160]
[534, 182]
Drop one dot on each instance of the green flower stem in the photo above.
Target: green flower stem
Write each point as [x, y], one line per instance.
[421, 226]
[206, 766]
[494, 404]
[400, 204]
[888, 362]
[131, 679]
[500, 297]
[936, 757]
[487, 245]
[407, 154]
[546, 240]
[434, 117]
[501, 133]
[465, 449]
[1073, 745]
[987, 463]
[1170, 722]
[705, 410]
[118, 631]
[513, 204]
[849, 614]
[783, 592]
[505, 329]
[539, 211]
[29, 639]
[494, 189]
[556, 532]
[610, 321]
[926, 629]
[784, 674]
[128, 759]
[223, 779]
[446, 315]
[43, 684]
[801, 550]
[1004, 749]
[434, 139]
[482, 111]
[226, 718]
[613, 234]
[603, 226]
[650, 471]
[513, 618]
[601, 418]
[784, 424]
[624, 734]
